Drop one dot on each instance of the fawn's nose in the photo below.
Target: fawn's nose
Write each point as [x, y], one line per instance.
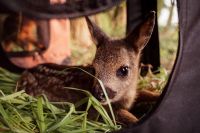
[99, 95]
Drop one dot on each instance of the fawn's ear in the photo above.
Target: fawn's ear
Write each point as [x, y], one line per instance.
[98, 36]
[139, 37]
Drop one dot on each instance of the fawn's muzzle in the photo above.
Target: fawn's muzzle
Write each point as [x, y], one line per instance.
[99, 95]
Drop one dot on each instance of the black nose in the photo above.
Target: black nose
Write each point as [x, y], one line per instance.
[99, 95]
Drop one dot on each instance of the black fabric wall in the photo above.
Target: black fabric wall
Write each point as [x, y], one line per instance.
[178, 111]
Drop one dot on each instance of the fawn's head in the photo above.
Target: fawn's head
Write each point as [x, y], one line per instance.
[116, 61]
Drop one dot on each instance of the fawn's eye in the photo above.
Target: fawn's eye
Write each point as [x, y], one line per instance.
[122, 71]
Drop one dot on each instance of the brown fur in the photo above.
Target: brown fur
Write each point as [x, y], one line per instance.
[50, 79]
[111, 56]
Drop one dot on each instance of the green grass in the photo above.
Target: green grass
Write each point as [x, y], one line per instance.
[22, 113]
[154, 82]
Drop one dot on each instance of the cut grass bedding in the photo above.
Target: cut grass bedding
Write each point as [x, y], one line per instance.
[22, 113]
[154, 82]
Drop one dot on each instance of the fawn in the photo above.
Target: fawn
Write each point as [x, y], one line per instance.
[116, 64]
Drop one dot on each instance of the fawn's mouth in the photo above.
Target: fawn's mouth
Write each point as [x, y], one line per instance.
[102, 98]
[98, 93]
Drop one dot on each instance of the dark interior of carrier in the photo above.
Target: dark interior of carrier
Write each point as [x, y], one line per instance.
[178, 109]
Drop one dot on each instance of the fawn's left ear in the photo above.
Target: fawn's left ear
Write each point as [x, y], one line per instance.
[139, 37]
[98, 36]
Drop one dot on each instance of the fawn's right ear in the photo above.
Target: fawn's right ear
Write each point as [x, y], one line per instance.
[98, 36]
[140, 36]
